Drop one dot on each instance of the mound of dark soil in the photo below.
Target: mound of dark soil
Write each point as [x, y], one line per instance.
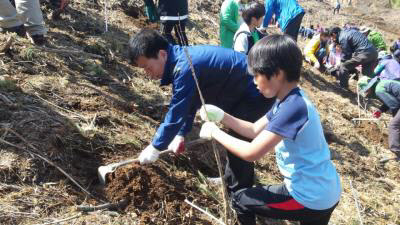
[155, 196]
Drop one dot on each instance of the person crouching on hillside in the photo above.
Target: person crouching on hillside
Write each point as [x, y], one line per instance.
[356, 50]
[317, 49]
[248, 35]
[387, 91]
[292, 128]
[223, 80]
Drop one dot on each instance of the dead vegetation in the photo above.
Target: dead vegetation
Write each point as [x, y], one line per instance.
[81, 111]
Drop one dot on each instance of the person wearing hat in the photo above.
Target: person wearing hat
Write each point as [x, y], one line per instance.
[356, 50]
[388, 92]
[375, 37]
[389, 69]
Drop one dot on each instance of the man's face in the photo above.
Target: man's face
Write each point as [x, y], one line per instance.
[154, 67]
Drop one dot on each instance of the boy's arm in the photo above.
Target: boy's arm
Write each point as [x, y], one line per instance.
[245, 128]
[249, 151]
[178, 111]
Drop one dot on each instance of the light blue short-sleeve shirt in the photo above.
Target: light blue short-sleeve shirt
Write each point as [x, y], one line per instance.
[303, 156]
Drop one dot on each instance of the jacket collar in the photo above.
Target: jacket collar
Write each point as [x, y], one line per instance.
[167, 77]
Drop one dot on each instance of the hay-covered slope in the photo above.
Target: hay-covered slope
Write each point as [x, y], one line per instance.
[83, 106]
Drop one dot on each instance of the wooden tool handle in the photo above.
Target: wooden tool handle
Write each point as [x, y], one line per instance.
[188, 145]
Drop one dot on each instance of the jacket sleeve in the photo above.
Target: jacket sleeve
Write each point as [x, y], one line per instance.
[346, 49]
[229, 16]
[311, 49]
[183, 90]
[187, 126]
[269, 11]
[378, 69]
[389, 96]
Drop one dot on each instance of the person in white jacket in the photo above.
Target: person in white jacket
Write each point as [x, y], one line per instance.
[247, 34]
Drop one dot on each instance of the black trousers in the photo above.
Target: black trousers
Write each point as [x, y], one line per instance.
[366, 59]
[239, 173]
[293, 27]
[274, 201]
[179, 27]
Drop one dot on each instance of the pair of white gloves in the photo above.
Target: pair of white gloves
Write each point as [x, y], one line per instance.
[211, 113]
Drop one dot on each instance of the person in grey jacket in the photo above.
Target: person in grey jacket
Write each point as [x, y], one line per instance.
[25, 17]
[356, 50]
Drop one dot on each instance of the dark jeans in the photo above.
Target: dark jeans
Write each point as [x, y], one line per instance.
[394, 134]
[179, 28]
[293, 27]
[336, 10]
[274, 201]
[366, 59]
[239, 173]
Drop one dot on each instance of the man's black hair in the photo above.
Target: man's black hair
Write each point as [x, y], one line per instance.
[276, 52]
[254, 9]
[146, 43]
[334, 30]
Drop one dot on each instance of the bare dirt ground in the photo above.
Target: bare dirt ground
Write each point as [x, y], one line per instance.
[81, 111]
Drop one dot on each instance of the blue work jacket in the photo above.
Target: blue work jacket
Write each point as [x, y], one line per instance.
[223, 80]
[284, 10]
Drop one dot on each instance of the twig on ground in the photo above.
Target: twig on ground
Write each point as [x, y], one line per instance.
[4, 186]
[62, 220]
[43, 158]
[58, 107]
[7, 45]
[67, 51]
[6, 100]
[89, 208]
[356, 202]
[205, 212]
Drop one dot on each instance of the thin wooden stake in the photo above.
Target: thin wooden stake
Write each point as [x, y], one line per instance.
[214, 146]
[205, 212]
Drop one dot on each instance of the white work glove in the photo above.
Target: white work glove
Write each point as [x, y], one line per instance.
[317, 65]
[177, 145]
[207, 130]
[149, 155]
[214, 113]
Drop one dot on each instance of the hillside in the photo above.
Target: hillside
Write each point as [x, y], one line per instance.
[79, 104]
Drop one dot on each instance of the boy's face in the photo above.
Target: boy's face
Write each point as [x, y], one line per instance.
[257, 22]
[154, 67]
[268, 88]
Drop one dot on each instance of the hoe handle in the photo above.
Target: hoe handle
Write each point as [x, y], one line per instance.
[188, 145]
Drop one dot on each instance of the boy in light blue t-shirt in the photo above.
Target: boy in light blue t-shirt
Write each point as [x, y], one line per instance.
[311, 187]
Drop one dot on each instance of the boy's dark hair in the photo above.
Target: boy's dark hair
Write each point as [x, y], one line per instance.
[276, 52]
[146, 43]
[312, 27]
[254, 9]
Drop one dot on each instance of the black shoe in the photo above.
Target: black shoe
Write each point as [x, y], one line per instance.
[38, 39]
[19, 30]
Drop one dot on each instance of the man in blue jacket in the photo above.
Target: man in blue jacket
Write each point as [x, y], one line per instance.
[224, 81]
[356, 50]
[288, 13]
